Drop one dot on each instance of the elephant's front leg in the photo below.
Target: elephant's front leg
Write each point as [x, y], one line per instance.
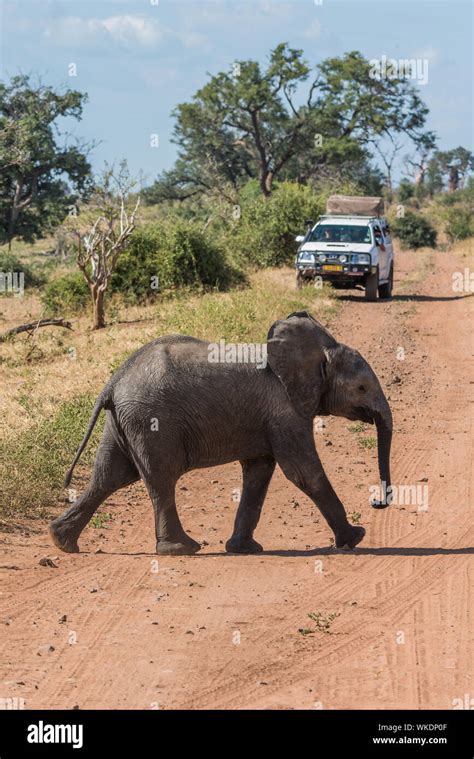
[257, 474]
[303, 467]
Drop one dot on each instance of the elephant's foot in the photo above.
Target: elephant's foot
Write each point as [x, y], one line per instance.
[184, 547]
[62, 538]
[350, 537]
[243, 545]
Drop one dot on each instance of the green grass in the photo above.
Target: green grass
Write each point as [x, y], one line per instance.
[322, 622]
[242, 315]
[367, 442]
[100, 520]
[33, 465]
[357, 427]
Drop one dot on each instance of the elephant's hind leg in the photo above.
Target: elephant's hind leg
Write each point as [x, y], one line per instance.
[257, 474]
[171, 539]
[112, 471]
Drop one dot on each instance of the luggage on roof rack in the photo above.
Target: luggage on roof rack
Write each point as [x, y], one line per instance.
[353, 205]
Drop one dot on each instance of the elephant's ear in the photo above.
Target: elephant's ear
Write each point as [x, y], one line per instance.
[297, 352]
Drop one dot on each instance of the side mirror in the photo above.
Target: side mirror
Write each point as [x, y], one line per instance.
[300, 238]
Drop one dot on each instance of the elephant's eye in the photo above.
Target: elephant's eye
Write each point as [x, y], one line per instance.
[362, 388]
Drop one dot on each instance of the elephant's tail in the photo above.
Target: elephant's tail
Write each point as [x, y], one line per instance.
[100, 404]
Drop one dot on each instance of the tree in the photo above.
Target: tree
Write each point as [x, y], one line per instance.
[253, 123]
[450, 167]
[100, 245]
[388, 158]
[416, 164]
[246, 120]
[39, 179]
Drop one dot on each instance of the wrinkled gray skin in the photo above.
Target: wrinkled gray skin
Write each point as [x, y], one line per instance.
[214, 413]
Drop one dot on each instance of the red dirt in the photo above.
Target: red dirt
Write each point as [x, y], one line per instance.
[138, 638]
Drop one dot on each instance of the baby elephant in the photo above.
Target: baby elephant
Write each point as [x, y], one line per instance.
[178, 404]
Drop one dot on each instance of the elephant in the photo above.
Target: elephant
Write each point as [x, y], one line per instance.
[169, 410]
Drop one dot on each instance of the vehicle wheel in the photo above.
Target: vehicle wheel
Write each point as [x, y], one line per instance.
[371, 286]
[299, 281]
[385, 291]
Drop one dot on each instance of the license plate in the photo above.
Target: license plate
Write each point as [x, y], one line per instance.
[332, 267]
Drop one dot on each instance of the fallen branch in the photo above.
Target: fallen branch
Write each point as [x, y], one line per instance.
[33, 326]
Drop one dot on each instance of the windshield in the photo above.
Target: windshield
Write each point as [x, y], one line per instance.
[340, 233]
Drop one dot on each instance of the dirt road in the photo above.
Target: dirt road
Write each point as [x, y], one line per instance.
[116, 629]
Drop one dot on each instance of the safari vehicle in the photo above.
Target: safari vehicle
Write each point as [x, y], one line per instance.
[350, 246]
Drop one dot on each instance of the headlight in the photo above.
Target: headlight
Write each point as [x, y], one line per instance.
[306, 258]
[360, 258]
[343, 259]
[323, 258]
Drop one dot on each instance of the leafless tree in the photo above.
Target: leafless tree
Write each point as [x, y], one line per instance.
[99, 248]
[388, 155]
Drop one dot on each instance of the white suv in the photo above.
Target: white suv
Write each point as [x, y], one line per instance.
[348, 251]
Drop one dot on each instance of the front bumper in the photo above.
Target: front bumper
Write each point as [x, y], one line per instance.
[352, 273]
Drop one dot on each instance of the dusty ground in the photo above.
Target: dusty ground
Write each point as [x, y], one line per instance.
[116, 629]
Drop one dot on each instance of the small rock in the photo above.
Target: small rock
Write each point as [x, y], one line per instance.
[45, 562]
[63, 619]
[46, 649]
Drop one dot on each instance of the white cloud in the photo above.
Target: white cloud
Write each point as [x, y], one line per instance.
[127, 29]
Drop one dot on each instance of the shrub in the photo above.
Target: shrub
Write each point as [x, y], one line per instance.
[265, 233]
[9, 263]
[66, 294]
[174, 252]
[405, 191]
[459, 223]
[414, 231]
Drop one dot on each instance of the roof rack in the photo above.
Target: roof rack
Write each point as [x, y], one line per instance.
[348, 215]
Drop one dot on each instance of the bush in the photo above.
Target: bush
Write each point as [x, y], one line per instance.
[67, 294]
[459, 223]
[265, 233]
[175, 253]
[405, 191]
[414, 231]
[9, 263]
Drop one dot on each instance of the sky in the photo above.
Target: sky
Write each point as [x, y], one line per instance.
[137, 59]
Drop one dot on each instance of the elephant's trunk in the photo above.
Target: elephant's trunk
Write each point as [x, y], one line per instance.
[383, 421]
